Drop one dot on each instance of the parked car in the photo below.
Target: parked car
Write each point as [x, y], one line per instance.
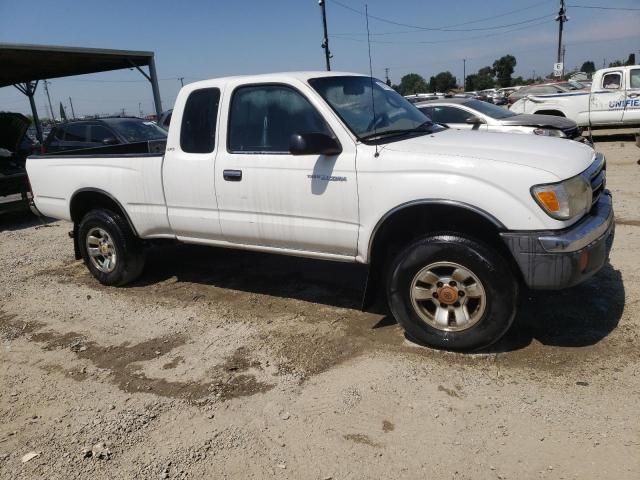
[613, 101]
[80, 134]
[421, 97]
[471, 114]
[540, 89]
[451, 223]
[15, 146]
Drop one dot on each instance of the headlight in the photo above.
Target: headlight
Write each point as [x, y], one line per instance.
[549, 132]
[564, 200]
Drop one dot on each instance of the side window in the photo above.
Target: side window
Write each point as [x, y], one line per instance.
[59, 135]
[198, 129]
[449, 115]
[99, 133]
[75, 133]
[263, 118]
[612, 81]
[428, 111]
[635, 78]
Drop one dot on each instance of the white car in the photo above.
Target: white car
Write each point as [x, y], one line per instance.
[450, 223]
[613, 101]
[471, 114]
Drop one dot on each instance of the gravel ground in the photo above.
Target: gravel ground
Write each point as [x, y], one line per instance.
[229, 364]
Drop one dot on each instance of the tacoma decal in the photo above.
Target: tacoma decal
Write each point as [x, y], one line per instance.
[327, 178]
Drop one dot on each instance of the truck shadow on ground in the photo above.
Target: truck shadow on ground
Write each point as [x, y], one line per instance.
[21, 220]
[577, 317]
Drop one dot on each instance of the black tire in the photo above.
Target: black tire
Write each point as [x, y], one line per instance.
[128, 248]
[488, 265]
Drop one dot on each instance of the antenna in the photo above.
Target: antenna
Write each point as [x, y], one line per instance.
[373, 102]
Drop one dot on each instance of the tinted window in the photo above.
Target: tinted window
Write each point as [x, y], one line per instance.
[449, 115]
[58, 134]
[75, 133]
[489, 109]
[136, 130]
[263, 118]
[198, 130]
[635, 78]
[428, 111]
[612, 81]
[98, 134]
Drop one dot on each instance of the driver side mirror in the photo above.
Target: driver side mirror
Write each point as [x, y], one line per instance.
[473, 120]
[313, 144]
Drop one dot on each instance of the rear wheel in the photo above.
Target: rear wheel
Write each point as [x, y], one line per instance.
[110, 250]
[452, 292]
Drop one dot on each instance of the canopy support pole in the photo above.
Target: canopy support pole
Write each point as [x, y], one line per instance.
[29, 89]
[153, 79]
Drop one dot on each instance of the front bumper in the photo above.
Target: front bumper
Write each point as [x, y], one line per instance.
[559, 259]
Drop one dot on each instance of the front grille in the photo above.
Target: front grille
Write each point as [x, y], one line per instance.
[597, 174]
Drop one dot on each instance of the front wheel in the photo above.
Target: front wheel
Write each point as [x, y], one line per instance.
[109, 248]
[452, 292]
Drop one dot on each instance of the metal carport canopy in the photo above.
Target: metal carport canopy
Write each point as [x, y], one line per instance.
[24, 65]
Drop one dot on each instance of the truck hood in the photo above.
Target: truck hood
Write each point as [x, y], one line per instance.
[533, 120]
[559, 157]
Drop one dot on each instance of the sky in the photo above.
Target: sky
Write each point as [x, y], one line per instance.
[198, 39]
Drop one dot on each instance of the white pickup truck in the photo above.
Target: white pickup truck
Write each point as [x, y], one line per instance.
[613, 102]
[340, 167]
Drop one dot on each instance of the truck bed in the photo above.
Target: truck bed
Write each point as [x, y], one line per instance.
[130, 174]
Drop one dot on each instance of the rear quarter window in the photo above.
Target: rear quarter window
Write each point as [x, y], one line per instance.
[198, 129]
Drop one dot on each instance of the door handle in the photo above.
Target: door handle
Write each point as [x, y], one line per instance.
[232, 175]
[634, 95]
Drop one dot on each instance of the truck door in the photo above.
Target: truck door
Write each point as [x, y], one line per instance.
[632, 105]
[268, 197]
[608, 99]
[188, 168]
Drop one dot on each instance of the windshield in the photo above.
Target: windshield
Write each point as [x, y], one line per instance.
[489, 109]
[351, 99]
[138, 130]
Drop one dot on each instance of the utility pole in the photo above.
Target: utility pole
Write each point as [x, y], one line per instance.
[140, 109]
[564, 50]
[325, 40]
[561, 19]
[73, 113]
[46, 89]
[464, 74]
[181, 81]
[386, 75]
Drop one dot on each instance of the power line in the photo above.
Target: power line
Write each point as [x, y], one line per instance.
[437, 29]
[627, 9]
[431, 42]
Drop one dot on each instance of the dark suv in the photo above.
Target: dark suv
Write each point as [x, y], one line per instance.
[101, 132]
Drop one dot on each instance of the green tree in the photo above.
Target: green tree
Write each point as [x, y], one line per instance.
[518, 81]
[631, 60]
[588, 67]
[481, 80]
[503, 69]
[442, 82]
[616, 63]
[411, 84]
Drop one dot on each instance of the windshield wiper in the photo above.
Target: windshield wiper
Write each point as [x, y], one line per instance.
[423, 127]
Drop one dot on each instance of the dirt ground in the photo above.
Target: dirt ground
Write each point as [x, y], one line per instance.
[225, 364]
